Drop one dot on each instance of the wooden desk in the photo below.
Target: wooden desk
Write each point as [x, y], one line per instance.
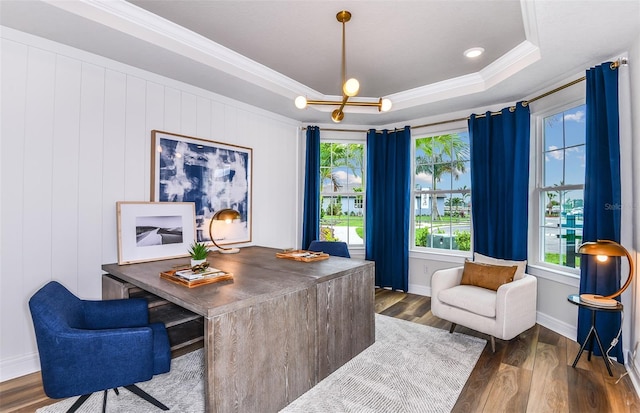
[277, 329]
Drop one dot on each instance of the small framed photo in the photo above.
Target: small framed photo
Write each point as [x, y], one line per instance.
[151, 231]
[212, 175]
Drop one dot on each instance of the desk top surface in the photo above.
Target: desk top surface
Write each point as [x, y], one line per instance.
[257, 276]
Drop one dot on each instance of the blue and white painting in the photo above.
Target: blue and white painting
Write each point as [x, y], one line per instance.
[212, 175]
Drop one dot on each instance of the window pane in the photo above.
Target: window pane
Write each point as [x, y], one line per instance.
[553, 132]
[443, 219]
[342, 192]
[462, 177]
[574, 125]
[442, 175]
[553, 167]
[574, 165]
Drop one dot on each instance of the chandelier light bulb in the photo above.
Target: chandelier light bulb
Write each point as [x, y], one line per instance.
[385, 105]
[301, 102]
[351, 87]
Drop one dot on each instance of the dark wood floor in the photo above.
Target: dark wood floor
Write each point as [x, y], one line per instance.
[531, 373]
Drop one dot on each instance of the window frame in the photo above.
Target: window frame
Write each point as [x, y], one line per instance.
[347, 139]
[449, 128]
[563, 101]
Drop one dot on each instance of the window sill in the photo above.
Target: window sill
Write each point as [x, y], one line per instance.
[561, 277]
[444, 255]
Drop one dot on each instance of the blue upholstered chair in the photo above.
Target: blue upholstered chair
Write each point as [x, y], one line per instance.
[89, 346]
[335, 248]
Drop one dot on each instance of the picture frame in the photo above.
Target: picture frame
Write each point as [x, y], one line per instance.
[213, 175]
[152, 231]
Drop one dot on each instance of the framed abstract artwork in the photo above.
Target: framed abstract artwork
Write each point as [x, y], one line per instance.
[212, 175]
[150, 231]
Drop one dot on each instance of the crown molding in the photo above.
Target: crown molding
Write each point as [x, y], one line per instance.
[134, 21]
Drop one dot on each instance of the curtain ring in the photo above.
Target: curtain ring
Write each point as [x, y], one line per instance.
[512, 109]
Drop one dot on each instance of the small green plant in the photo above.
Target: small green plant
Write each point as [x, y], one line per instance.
[198, 251]
[463, 239]
[421, 237]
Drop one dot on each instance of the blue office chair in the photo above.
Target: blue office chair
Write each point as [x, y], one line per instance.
[335, 248]
[90, 346]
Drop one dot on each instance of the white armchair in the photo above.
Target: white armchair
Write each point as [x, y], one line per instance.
[504, 313]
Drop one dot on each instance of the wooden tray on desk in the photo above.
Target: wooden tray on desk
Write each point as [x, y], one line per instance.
[171, 276]
[302, 255]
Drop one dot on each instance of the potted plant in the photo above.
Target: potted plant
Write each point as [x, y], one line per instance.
[198, 252]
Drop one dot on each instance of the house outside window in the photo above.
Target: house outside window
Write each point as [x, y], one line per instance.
[560, 187]
[342, 193]
[442, 192]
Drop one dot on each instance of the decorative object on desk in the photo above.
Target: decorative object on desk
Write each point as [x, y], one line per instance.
[227, 216]
[151, 231]
[198, 252]
[213, 175]
[603, 249]
[408, 352]
[190, 278]
[350, 87]
[302, 255]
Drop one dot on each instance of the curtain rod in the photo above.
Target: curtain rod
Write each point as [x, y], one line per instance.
[614, 65]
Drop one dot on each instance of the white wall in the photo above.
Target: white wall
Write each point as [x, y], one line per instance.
[632, 304]
[75, 138]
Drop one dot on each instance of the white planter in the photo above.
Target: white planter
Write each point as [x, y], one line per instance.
[197, 262]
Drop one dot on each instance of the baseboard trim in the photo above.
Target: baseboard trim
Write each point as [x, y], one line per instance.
[632, 369]
[19, 366]
[420, 290]
[560, 327]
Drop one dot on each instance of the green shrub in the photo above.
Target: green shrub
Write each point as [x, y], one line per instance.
[422, 234]
[463, 239]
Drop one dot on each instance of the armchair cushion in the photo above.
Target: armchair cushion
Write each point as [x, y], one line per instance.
[487, 275]
[477, 300]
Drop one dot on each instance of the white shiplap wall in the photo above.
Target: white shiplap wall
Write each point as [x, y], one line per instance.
[75, 138]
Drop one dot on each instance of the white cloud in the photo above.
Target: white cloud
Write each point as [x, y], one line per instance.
[576, 117]
[424, 180]
[553, 153]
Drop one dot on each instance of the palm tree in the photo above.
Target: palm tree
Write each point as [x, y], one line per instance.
[441, 154]
[331, 155]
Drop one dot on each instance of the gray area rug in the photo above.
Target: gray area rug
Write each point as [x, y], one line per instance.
[410, 368]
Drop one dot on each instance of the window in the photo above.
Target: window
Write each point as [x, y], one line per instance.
[561, 160]
[342, 192]
[442, 192]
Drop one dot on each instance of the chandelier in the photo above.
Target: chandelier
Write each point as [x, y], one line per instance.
[350, 87]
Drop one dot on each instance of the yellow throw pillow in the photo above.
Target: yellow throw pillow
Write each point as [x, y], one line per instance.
[487, 275]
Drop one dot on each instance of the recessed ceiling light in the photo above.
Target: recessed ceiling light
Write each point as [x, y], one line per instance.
[474, 52]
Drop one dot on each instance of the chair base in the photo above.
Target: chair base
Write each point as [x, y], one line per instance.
[493, 339]
[132, 388]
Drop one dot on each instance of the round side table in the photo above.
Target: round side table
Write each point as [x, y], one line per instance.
[593, 333]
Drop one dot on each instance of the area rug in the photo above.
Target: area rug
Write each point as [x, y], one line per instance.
[410, 368]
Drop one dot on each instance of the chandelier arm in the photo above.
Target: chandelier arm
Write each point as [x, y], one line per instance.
[337, 103]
